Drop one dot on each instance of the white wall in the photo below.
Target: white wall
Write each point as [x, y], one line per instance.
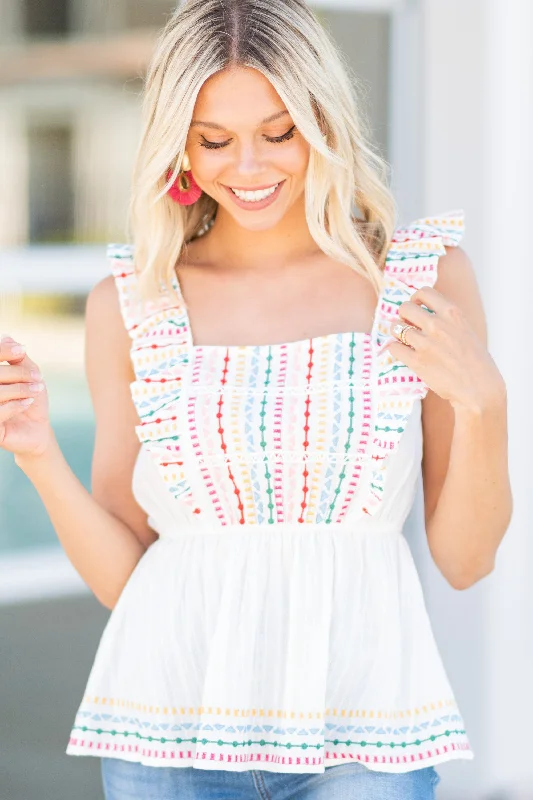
[475, 79]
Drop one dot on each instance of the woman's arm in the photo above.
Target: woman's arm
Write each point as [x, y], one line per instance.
[468, 501]
[104, 534]
[102, 549]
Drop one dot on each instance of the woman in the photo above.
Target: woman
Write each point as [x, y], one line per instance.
[285, 348]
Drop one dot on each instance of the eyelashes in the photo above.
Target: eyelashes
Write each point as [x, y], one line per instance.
[272, 139]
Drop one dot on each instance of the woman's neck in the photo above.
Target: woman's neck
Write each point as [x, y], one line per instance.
[230, 244]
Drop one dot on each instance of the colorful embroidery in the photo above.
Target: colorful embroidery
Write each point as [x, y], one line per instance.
[360, 736]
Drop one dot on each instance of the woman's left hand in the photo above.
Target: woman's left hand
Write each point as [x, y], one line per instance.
[445, 352]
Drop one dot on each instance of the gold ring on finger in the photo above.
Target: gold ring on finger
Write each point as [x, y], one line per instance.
[404, 329]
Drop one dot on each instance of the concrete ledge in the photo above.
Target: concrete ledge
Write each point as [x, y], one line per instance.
[38, 574]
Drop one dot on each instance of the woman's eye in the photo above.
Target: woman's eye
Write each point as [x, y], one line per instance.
[213, 145]
[273, 139]
[283, 138]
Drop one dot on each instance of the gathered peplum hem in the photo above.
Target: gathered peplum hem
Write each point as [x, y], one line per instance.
[266, 678]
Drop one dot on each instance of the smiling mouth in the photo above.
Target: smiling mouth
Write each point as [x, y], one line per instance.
[254, 195]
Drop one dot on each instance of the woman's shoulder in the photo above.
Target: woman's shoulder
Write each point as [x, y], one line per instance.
[103, 308]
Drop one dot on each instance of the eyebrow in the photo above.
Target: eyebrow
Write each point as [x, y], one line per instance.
[215, 125]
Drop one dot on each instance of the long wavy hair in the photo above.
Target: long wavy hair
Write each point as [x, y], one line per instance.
[350, 210]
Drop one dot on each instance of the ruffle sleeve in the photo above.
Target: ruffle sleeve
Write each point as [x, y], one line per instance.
[160, 354]
[412, 262]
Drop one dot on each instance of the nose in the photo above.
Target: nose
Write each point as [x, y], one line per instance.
[249, 161]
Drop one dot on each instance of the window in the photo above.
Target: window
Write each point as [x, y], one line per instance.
[51, 196]
[46, 18]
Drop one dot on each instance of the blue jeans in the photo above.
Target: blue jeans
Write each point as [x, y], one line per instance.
[130, 780]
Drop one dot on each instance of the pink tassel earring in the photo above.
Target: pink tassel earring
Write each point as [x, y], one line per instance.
[184, 190]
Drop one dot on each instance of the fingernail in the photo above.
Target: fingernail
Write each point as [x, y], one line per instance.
[18, 350]
[5, 337]
[35, 374]
[36, 387]
[27, 401]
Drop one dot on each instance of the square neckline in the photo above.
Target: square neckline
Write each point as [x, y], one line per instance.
[364, 336]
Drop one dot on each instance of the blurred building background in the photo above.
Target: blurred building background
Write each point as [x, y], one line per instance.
[449, 94]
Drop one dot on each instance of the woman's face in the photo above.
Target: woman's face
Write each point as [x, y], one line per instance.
[242, 139]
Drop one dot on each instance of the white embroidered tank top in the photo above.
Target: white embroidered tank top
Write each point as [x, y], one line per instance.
[278, 622]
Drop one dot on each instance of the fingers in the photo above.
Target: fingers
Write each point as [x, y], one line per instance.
[18, 373]
[20, 378]
[433, 299]
[10, 350]
[424, 319]
[407, 355]
[13, 407]
[413, 314]
[15, 355]
[19, 391]
[412, 337]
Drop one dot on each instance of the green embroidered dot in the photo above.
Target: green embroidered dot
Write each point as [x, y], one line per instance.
[249, 742]
[363, 744]
[194, 739]
[417, 742]
[392, 745]
[113, 733]
[446, 733]
[335, 741]
[99, 730]
[289, 745]
[269, 490]
[379, 744]
[163, 740]
[235, 744]
[126, 733]
[204, 741]
[84, 728]
[268, 475]
[432, 738]
[219, 742]
[275, 744]
[404, 744]
[179, 740]
[304, 746]
[350, 430]
[262, 742]
[150, 739]
[337, 490]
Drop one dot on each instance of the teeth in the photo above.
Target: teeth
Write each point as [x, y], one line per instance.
[253, 197]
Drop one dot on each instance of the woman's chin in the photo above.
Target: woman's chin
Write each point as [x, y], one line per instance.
[258, 220]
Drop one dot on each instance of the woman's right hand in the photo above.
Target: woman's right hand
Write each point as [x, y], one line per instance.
[24, 426]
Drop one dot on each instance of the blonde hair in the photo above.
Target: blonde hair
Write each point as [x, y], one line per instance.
[283, 40]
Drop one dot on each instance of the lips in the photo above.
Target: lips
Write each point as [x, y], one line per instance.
[256, 198]
[254, 195]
